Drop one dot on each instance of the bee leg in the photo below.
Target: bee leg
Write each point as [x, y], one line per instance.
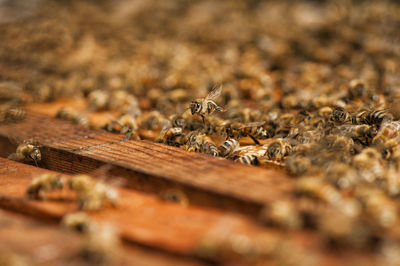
[204, 121]
[36, 163]
[254, 139]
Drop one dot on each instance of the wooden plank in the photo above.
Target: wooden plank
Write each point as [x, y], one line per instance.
[152, 167]
[144, 219]
[39, 243]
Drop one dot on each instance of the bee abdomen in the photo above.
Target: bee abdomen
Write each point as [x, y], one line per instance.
[228, 147]
[248, 159]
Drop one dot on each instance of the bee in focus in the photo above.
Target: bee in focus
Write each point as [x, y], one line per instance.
[278, 149]
[27, 152]
[281, 213]
[72, 116]
[254, 130]
[371, 117]
[201, 143]
[101, 246]
[340, 116]
[92, 194]
[175, 195]
[206, 106]
[77, 221]
[172, 136]
[44, 183]
[228, 148]
[249, 159]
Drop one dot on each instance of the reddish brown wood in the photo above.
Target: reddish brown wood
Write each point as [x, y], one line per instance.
[152, 167]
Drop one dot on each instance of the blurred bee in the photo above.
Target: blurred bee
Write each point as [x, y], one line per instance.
[278, 149]
[315, 187]
[126, 124]
[92, 194]
[206, 106]
[177, 121]
[388, 130]
[44, 183]
[155, 121]
[341, 175]
[282, 214]
[12, 114]
[101, 246]
[73, 116]
[98, 100]
[199, 142]
[369, 164]
[297, 165]
[172, 136]
[362, 133]
[254, 130]
[357, 89]
[27, 152]
[340, 116]
[175, 195]
[390, 147]
[123, 101]
[229, 147]
[249, 159]
[77, 221]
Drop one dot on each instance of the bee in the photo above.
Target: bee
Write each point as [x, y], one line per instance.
[98, 100]
[388, 130]
[254, 130]
[340, 116]
[92, 194]
[177, 121]
[101, 246]
[371, 117]
[155, 121]
[206, 106]
[172, 136]
[73, 116]
[357, 89]
[77, 221]
[126, 124]
[297, 165]
[27, 152]
[175, 195]
[11, 114]
[278, 149]
[315, 187]
[369, 164]
[44, 183]
[201, 143]
[123, 101]
[249, 159]
[362, 133]
[229, 147]
[281, 213]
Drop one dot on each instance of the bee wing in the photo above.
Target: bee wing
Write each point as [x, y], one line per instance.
[214, 93]
[253, 124]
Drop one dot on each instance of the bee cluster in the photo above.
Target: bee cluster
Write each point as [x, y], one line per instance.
[310, 87]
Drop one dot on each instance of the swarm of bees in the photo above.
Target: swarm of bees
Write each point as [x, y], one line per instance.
[307, 92]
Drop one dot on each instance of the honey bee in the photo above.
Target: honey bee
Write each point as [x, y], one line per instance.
[27, 152]
[315, 187]
[340, 116]
[362, 133]
[177, 121]
[369, 164]
[278, 149]
[101, 246]
[175, 195]
[98, 100]
[44, 183]
[126, 124]
[92, 194]
[297, 165]
[77, 221]
[388, 130]
[172, 136]
[357, 89]
[11, 114]
[254, 130]
[229, 147]
[283, 214]
[249, 159]
[201, 143]
[206, 106]
[371, 117]
[155, 121]
[73, 116]
[123, 101]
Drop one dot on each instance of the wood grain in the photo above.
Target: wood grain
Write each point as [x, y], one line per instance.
[151, 167]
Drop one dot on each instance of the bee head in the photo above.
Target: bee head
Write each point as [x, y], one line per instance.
[273, 150]
[195, 107]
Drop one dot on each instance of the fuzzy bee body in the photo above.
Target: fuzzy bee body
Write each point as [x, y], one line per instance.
[27, 152]
[278, 149]
[254, 130]
[249, 159]
[172, 136]
[388, 130]
[202, 143]
[206, 106]
[44, 183]
[73, 116]
[229, 147]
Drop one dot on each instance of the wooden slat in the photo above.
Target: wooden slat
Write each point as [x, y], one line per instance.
[144, 219]
[39, 243]
[152, 167]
